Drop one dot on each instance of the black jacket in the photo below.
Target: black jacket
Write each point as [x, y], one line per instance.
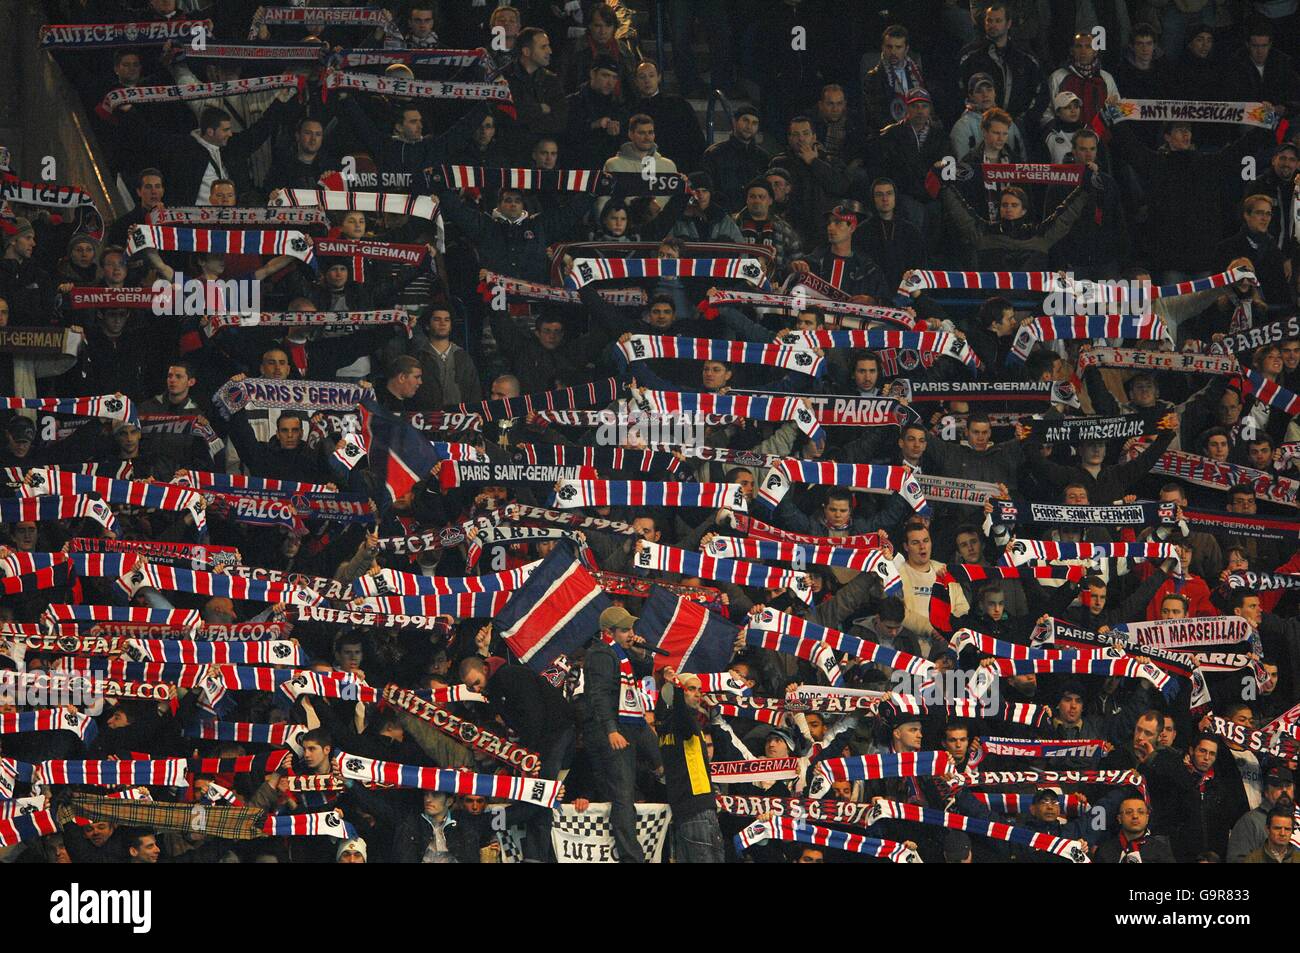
[601, 685]
[685, 760]
[1154, 850]
[815, 188]
[900, 156]
[732, 165]
[1263, 253]
[515, 249]
[415, 832]
[1017, 75]
[530, 705]
[677, 129]
[585, 147]
[400, 162]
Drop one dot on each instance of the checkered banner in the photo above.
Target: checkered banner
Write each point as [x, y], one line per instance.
[585, 837]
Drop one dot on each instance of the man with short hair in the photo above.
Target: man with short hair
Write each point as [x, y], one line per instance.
[760, 225]
[1135, 843]
[677, 127]
[919, 573]
[640, 154]
[597, 116]
[1016, 73]
[1277, 847]
[615, 721]
[538, 94]
[301, 166]
[840, 264]
[736, 161]
[906, 152]
[449, 374]
[142, 848]
[817, 181]
[886, 85]
[1084, 77]
[893, 244]
[837, 129]
[1255, 242]
[1251, 829]
[405, 375]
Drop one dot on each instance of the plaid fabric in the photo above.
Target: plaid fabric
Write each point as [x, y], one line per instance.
[215, 820]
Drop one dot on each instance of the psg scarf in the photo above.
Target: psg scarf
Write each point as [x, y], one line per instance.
[377, 620]
[456, 473]
[109, 407]
[1076, 327]
[604, 458]
[462, 731]
[36, 509]
[494, 536]
[782, 623]
[651, 556]
[390, 582]
[520, 512]
[274, 652]
[167, 772]
[754, 407]
[1255, 384]
[615, 584]
[1222, 476]
[818, 654]
[757, 529]
[800, 831]
[953, 490]
[49, 719]
[850, 313]
[744, 458]
[139, 299]
[391, 203]
[1054, 392]
[874, 767]
[173, 238]
[732, 547]
[212, 323]
[412, 57]
[533, 291]
[1006, 512]
[870, 478]
[1021, 748]
[224, 216]
[1263, 581]
[415, 88]
[532, 180]
[1075, 430]
[185, 425]
[1187, 633]
[255, 52]
[753, 771]
[1190, 110]
[134, 95]
[570, 494]
[935, 342]
[1278, 744]
[22, 192]
[83, 36]
[1075, 851]
[206, 480]
[1186, 362]
[588, 270]
[256, 393]
[595, 394]
[467, 605]
[538, 791]
[917, 280]
[122, 492]
[1033, 550]
[361, 252]
[642, 347]
[1032, 173]
[319, 824]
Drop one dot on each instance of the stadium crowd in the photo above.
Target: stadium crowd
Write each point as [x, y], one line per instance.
[450, 455]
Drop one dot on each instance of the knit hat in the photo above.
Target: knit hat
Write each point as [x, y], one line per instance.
[761, 183]
[353, 845]
[20, 226]
[784, 736]
[745, 110]
[605, 63]
[701, 180]
[81, 238]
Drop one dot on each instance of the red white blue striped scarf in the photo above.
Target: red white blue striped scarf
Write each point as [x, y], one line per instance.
[934, 342]
[685, 563]
[1110, 667]
[207, 480]
[122, 492]
[594, 394]
[799, 303]
[183, 618]
[642, 347]
[874, 767]
[587, 270]
[36, 509]
[766, 716]
[551, 180]
[714, 682]
[988, 645]
[25, 827]
[754, 408]
[22, 564]
[277, 652]
[464, 605]
[131, 95]
[631, 702]
[1073, 850]
[173, 238]
[1074, 327]
[279, 735]
[172, 579]
[539, 791]
[341, 685]
[918, 280]
[78, 36]
[1255, 384]
[572, 494]
[392, 203]
[458, 452]
[109, 407]
[818, 653]
[733, 547]
[1221, 476]
[521, 536]
[415, 88]
[391, 582]
[1071, 804]
[168, 772]
[770, 620]
[49, 719]
[612, 458]
[800, 831]
[747, 458]
[868, 477]
[321, 823]
[757, 529]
